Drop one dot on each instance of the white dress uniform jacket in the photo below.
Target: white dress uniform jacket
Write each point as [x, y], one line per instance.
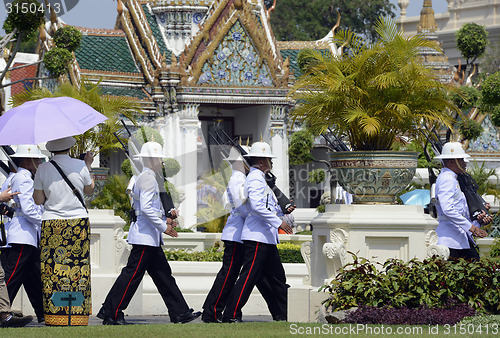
[6, 220]
[24, 228]
[151, 221]
[239, 209]
[453, 213]
[262, 222]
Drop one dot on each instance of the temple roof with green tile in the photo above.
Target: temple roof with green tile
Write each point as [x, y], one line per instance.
[168, 52]
[106, 53]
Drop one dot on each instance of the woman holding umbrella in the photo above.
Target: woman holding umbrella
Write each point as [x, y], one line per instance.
[65, 240]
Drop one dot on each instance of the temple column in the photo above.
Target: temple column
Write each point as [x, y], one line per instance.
[184, 126]
[279, 144]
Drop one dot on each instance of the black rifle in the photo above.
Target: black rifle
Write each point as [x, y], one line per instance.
[475, 202]
[337, 144]
[8, 151]
[283, 201]
[3, 236]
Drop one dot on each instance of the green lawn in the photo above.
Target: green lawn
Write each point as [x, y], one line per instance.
[259, 329]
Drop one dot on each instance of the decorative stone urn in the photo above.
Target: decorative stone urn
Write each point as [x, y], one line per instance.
[374, 177]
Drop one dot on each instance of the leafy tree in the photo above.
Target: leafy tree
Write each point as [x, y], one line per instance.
[21, 27]
[490, 89]
[466, 98]
[470, 129]
[490, 60]
[299, 150]
[316, 18]
[472, 40]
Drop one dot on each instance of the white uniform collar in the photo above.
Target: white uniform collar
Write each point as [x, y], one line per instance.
[445, 169]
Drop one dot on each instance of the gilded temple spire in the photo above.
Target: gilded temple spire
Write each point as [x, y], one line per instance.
[427, 20]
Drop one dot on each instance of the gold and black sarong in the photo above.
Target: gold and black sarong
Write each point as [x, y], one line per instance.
[65, 265]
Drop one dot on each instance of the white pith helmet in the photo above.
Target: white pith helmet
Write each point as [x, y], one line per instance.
[151, 149]
[28, 151]
[260, 149]
[453, 150]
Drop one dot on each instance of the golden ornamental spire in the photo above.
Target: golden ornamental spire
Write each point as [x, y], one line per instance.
[427, 21]
[43, 35]
[119, 7]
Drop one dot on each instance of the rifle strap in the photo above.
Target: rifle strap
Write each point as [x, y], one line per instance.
[66, 179]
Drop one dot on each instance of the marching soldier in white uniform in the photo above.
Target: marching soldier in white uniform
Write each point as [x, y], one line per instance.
[233, 245]
[7, 318]
[22, 266]
[260, 236]
[455, 227]
[145, 235]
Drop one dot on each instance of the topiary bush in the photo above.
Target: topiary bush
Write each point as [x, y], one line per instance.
[57, 61]
[68, 37]
[433, 282]
[26, 21]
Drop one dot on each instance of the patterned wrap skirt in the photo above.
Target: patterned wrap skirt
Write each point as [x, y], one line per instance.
[65, 265]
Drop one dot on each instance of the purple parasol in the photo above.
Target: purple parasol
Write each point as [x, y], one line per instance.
[47, 119]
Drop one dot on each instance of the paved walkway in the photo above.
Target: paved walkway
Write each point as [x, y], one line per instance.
[141, 320]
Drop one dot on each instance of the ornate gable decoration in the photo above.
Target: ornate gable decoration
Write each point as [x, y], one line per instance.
[231, 50]
[489, 141]
[235, 62]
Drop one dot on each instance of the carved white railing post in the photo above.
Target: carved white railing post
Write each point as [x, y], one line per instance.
[434, 249]
[305, 251]
[336, 253]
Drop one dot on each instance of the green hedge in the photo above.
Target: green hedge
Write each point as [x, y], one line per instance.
[289, 253]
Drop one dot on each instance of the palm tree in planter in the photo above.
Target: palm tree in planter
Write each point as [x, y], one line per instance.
[374, 95]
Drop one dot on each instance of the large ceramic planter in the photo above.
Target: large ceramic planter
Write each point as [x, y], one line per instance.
[374, 177]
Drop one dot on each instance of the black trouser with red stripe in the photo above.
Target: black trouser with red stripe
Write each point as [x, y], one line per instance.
[261, 266]
[22, 267]
[467, 254]
[221, 289]
[151, 259]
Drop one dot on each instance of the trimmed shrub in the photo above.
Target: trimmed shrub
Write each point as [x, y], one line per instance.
[57, 61]
[290, 253]
[495, 248]
[213, 254]
[68, 37]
